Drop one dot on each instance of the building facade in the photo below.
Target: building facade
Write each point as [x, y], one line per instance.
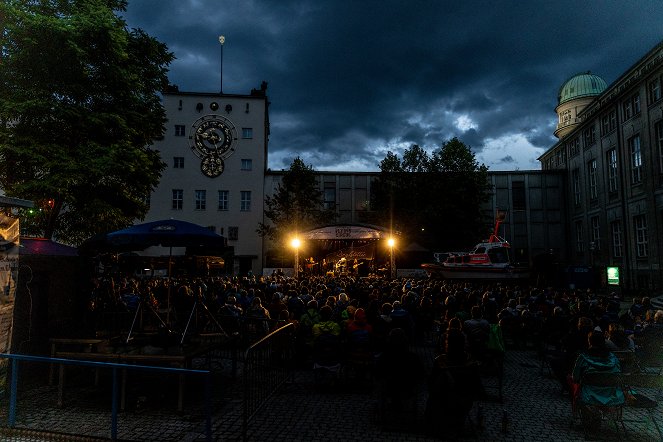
[611, 148]
[215, 149]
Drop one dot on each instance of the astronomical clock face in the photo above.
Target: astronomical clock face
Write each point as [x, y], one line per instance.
[212, 166]
[213, 140]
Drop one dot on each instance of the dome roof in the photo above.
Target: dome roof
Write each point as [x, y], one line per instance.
[581, 85]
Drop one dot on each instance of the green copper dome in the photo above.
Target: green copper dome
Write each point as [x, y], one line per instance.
[581, 85]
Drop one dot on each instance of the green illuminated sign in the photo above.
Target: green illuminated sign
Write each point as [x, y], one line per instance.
[613, 275]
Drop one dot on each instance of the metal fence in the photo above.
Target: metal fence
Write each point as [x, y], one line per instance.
[268, 364]
[13, 386]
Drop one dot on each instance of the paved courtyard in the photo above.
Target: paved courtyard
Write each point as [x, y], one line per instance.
[307, 410]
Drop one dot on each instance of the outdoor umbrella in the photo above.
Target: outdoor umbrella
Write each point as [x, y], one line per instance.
[165, 233]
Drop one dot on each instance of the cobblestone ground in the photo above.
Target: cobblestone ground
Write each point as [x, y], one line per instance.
[310, 409]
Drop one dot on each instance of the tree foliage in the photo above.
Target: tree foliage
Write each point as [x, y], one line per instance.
[433, 199]
[296, 206]
[79, 108]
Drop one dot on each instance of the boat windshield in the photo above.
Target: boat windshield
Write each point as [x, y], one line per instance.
[499, 255]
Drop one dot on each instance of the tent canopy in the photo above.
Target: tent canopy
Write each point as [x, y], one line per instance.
[45, 247]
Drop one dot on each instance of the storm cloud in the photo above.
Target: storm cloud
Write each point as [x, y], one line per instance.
[350, 81]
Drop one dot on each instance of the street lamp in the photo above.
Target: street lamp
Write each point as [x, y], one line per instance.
[295, 245]
[222, 40]
[392, 261]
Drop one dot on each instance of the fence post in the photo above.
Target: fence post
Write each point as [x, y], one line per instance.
[114, 406]
[13, 394]
[208, 406]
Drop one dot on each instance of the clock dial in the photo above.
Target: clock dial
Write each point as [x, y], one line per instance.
[212, 166]
[213, 135]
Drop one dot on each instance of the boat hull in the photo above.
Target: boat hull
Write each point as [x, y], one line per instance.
[475, 272]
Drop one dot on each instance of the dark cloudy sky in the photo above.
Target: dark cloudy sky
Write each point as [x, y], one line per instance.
[351, 80]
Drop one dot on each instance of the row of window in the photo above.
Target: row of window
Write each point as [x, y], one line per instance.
[630, 108]
[246, 163]
[233, 232]
[639, 231]
[180, 131]
[634, 145]
[200, 200]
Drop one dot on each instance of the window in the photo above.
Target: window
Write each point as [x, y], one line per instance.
[245, 201]
[201, 199]
[575, 174]
[574, 147]
[233, 233]
[178, 162]
[589, 136]
[247, 164]
[247, 132]
[617, 245]
[636, 159]
[612, 170]
[596, 234]
[180, 130]
[658, 142]
[641, 239]
[654, 91]
[593, 184]
[223, 200]
[330, 198]
[608, 122]
[178, 198]
[580, 244]
[518, 195]
[631, 106]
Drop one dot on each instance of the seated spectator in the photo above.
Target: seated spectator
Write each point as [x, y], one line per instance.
[573, 343]
[359, 344]
[257, 319]
[401, 318]
[326, 326]
[399, 372]
[382, 326]
[617, 340]
[454, 385]
[477, 330]
[326, 339]
[650, 340]
[230, 316]
[597, 358]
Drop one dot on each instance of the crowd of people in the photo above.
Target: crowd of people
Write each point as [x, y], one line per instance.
[576, 330]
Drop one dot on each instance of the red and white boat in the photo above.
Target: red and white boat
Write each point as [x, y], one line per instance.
[490, 259]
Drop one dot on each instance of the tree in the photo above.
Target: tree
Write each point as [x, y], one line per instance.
[79, 109]
[296, 206]
[433, 199]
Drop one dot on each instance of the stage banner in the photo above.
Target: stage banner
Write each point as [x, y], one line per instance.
[9, 243]
[365, 252]
[344, 232]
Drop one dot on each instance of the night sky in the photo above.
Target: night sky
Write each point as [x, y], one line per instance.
[351, 80]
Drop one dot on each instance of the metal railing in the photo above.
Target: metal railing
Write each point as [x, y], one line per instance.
[114, 367]
[268, 364]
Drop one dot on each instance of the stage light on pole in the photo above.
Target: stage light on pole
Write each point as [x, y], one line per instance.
[392, 259]
[296, 243]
